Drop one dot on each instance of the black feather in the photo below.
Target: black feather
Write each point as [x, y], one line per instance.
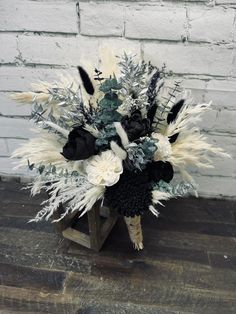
[86, 81]
[174, 111]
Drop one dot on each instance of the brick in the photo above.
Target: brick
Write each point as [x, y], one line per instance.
[25, 15]
[20, 78]
[189, 59]
[7, 166]
[211, 25]
[70, 51]
[16, 128]
[155, 22]
[10, 51]
[13, 144]
[120, 45]
[9, 106]
[3, 148]
[233, 70]
[225, 1]
[222, 166]
[101, 19]
[219, 121]
[57, 50]
[216, 186]
[195, 86]
[222, 93]
[225, 167]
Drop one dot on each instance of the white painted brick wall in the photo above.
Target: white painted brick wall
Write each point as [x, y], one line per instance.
[195, 38]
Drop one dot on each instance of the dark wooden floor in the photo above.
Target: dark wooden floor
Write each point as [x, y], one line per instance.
[188, 264]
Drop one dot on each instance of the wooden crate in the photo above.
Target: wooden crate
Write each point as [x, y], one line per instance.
[99, 225]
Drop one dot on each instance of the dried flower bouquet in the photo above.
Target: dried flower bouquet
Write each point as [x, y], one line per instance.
[120, 138]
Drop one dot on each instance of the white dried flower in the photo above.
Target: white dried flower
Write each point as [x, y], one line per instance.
[104, 169]
[163, 145]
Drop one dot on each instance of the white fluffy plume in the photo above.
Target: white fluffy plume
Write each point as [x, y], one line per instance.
[187, 116]
[191, 148]
[43, 150]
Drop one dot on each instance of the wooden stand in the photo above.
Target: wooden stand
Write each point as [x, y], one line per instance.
[98, 227]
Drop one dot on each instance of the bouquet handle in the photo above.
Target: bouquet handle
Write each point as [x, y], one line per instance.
[135, 231]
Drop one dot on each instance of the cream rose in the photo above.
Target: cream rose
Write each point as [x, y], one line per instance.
[104, 169]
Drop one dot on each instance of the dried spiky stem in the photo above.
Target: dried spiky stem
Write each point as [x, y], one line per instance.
[135, 231]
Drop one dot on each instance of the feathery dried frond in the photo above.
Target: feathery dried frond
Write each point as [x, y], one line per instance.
[43, 150]
[189, 114]
[191, 148]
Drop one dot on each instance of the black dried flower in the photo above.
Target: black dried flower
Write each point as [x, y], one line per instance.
[160, 170]
[80, 145]
[135, 126]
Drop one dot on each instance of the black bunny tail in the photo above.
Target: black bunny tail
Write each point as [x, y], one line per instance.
[86, 81]
[172, 116]
[174, 111]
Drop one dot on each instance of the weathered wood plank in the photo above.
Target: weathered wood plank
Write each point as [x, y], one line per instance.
[21, 196]
[227, 261]
[138, 291]
[21, 210]
[192, 210]
[33, 278]
[26, 301]
[29, 300]
[220, 229]
[45, 260]
[22, 223]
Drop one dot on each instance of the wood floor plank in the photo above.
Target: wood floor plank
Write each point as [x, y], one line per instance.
[188, 264]
[23, 223]
[32, 278]
[18, 209]
[26, 301]
[31, 301]
[223, 261]
[148, 293]
[11, 192]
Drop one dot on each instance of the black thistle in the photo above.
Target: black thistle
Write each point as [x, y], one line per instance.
[131, 195]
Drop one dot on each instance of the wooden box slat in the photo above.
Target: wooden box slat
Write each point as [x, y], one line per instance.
[98, 230]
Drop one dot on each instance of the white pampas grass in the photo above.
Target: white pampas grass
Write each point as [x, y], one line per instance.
[43, 150]
[187, 116]
[30, 97]
[191, 148]
[158, 196]
[154, 211]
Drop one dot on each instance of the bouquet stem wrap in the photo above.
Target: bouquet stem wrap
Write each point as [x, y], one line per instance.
[135, 231]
